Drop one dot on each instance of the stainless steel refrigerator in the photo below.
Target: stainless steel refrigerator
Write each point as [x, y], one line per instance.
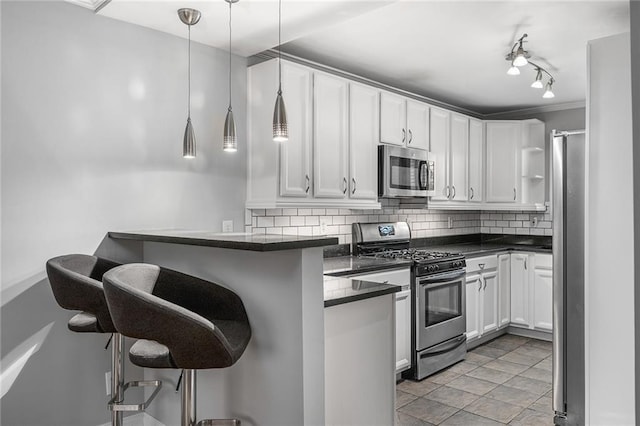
[568, 210]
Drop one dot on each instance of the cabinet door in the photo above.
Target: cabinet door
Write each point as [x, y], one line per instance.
[417, 125]
[330, 133]
[476, 160]
[364, 118]
[504, 289]
[489, 301]
[473, 288]
[439, 139]
[459, 162]
[403, 330]
[520, 290]
[543, 299]
[503, 148]
[295, 154]
[393, 119]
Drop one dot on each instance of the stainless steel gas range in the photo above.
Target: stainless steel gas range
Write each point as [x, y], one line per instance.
[438, 295]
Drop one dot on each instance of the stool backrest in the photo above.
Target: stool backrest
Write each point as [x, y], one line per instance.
[76, 282]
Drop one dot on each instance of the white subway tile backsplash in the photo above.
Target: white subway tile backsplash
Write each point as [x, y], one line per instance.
[297, 220]
[282, 221]
[311, 220]
[290, 212]
[273, 212]
[305, 212]
[319, 212]
[265, 222]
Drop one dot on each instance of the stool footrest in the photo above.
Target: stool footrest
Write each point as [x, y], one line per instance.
[118, 406]
[219, 422]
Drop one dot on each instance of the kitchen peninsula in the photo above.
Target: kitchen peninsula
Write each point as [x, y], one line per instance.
[280, 379]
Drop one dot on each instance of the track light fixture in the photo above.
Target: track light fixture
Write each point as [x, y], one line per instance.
[518, 57]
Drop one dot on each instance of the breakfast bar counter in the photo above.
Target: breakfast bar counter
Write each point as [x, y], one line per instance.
[280, 378]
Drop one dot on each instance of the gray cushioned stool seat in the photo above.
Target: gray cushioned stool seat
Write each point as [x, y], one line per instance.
[202, 324]
[76, 281]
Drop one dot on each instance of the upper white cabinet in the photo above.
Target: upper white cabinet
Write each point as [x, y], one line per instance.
[364, 116]
[403, 121]
[476, 161]
[450, 148]
[330, 136]
[503, 163]
[330, 159]
[439, 136]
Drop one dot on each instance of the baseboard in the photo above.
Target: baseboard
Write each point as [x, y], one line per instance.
[526, 332]
[139, 419]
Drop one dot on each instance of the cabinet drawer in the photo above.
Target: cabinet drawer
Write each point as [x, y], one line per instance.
[544, 261]
[490, 262]
[397, 276]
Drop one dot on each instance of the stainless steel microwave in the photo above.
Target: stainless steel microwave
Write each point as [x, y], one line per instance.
[405, 172]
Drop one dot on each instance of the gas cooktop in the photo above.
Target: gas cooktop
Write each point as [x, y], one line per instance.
[417, 255]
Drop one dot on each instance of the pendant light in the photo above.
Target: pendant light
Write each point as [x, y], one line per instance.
[513, 70]
[230, 140]
[548, 92]
[189, 17]
[280, 128]
[537, 84]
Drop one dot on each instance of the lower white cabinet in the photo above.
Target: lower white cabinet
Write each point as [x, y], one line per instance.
[504, 290]
[520, 291]
[532, 291]
[543, 293]
[482, 291]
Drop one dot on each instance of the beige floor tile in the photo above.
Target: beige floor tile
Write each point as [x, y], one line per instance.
[473, 385]
[532, 418]
[545, 364]
[506, 366]
[515, 339]
[452, 397]
[538, 374]
[530, 385]
[513, 396]
[494, 409]
[477, 359]
[443, 377]
[489, 351]
[463, 367]
[490, 375]
[465, 418]
[407, 420]
[543, 344]
[544, 405]
[519, 358]
[417, 388]
[430, 411]
[504, 344]
[533, 352]
[403, 398]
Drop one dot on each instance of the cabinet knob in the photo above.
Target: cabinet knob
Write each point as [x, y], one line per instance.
[481, 265]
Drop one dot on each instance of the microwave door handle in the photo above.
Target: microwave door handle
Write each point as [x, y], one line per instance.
[422, 175]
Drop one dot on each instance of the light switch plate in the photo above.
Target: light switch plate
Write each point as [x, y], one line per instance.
[324, 223]
[227, 226]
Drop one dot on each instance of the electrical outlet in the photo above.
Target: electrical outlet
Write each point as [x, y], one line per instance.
[534, 221]
[227, 226]
[450, 222]
[324, 223]
[107, 379]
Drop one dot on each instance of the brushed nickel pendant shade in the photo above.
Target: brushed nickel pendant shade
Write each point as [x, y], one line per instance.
[230, 140]
[280, 128]
[189, 17]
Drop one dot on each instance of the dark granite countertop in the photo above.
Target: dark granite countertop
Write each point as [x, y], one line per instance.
[471, 250]
[338, 291]
[349, 265]
[229, 240]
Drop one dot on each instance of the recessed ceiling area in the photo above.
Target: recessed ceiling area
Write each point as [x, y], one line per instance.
[450, 51]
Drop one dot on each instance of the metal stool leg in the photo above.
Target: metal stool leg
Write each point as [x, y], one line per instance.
[117, 377]
[188, 411]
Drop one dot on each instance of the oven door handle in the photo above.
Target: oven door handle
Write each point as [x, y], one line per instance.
[443, 278]
[445, 347]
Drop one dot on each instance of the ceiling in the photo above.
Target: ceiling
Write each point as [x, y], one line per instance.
[451, 51]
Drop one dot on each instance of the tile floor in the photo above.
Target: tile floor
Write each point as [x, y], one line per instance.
[505, 381]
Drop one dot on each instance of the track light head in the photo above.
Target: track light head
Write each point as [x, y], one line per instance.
[537, 84]
[548, 94]
[513, 70]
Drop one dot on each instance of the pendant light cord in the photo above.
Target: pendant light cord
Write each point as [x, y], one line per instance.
[229, 56]
[279, 50]
[189, 79]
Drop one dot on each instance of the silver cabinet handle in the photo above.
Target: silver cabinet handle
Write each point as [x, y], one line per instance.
[525, 263]
[485, 283]
[307, 178]
[471, 190]
[448, 189]
[481, 265]
[454, 192]
[344, 185]
[479, 284]
[410, 136]
[353, 191]
[514, 194]
[404, 135]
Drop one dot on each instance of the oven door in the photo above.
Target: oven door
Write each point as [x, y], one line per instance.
[440, 308]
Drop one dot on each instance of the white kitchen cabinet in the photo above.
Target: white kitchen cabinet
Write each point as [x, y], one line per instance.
[489, 301]
[503, 140]
[504, 292]
[403, 330]
[482, 289]
[476, 161]
[439, 137]
[330, 136]
[473, 287]
[459, 158]
[520, 291]
[543, 293]
[364, 118]
[403, 121]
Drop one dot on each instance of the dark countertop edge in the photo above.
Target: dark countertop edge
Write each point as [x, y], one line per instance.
[381, 290]
[227, 244]
[367, 269]
[490, 251]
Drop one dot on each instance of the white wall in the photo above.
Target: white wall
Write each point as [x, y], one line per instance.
[93, 114]
[609, 286]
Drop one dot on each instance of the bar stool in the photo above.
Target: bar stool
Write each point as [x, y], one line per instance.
[187, 323]
[76, 282]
